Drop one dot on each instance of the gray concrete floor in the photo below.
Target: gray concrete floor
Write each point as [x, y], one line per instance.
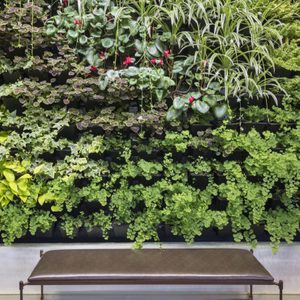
[148, 297]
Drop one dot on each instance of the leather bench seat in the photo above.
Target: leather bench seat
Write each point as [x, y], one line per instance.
[149, 266]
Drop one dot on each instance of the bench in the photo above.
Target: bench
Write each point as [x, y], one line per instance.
[150, 266]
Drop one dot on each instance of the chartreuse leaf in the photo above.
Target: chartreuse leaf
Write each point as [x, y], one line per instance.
[3, 136]
[9, 175]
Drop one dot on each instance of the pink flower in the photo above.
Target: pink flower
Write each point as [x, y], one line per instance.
[167, 53]
[93, 69]
[161, 62]
[127, 61]
[65, 2]
[153, 60]
[191, 99]
[76, 22]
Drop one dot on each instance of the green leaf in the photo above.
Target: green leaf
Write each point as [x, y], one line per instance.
[201, 106]
[3, 136]
[14, 187]
[138, 45]
[173, 114]
[107, 42]
[83, 40]
[210, 99]
[220, 111]
[103, 83]
[90, 57]
[159, 94]
[159, 45]
[214, 86]
[72, 34]
[178, 103]
[9, 175]
[152, 50]
[51, 30]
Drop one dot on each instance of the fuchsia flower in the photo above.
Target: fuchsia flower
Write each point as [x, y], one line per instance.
[161, 62]
[191, 99]
[127, 61]
[93, 69]
[153, 60]
[65, 2]
[76, 22]
[167, 53]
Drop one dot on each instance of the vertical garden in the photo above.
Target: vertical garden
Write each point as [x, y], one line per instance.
[148, 120]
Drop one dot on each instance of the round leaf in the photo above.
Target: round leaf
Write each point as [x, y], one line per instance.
[107, 42]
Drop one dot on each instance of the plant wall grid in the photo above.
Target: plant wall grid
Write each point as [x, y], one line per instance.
[137, 121]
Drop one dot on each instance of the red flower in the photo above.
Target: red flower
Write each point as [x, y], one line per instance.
[76, 22]
[191, 99]
[161, 62]
[127, 61]
[65, 2]
[153, 60]
[167, 53]
[93, 69]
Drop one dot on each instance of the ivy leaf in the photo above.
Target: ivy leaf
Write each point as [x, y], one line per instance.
[201, 106]
[107, 42]
[178, 103]
[220, 111]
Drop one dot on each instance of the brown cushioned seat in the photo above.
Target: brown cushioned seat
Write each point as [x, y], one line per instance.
[157, 266]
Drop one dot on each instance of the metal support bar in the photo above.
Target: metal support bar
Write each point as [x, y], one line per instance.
[280, 285]
[21, 287]
[251, 292]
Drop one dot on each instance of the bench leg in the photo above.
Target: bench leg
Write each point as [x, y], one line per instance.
[251, 292]
[42, 292]
[21, 287]
[280, 285]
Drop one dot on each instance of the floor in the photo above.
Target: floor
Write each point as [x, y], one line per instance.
[151, 297]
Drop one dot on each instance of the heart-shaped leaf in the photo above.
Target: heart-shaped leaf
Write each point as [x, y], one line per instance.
[173, 114]
[178, 103]
[220, 111]
[201, 106]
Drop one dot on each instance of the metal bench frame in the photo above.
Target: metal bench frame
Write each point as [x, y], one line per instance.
[136, 282]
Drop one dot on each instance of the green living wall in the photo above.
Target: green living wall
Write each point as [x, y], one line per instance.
[148, 120]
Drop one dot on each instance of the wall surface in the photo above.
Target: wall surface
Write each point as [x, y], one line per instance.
[16, 263]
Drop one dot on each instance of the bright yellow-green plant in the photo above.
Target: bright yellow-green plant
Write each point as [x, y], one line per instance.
[14, 181]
